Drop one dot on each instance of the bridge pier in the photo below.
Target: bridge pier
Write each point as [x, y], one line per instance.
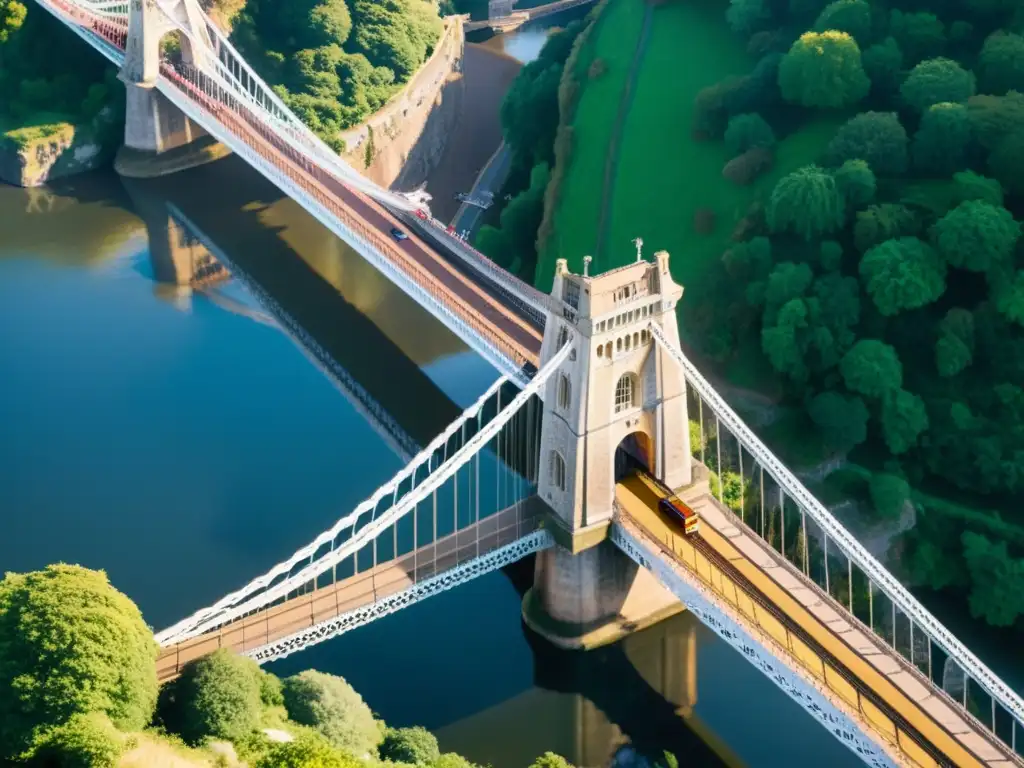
[619, 402]
[158, 137]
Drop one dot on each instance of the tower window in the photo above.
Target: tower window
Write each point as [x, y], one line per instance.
[557, 471]
[564, 392]
[625, 394]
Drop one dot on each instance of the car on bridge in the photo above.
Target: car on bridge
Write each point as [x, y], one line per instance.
[671, 505]
[398, 234]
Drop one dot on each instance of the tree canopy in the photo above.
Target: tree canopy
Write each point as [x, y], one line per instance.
[976, 235]
[410, 745]
[823, 69]
[936, 81]
[109, 668]
[878, 138]
[903, 274]
[331, 706]
[807, 202]
[850, 16]
[872, 368]
[941, 143]
[1001, 63]
[843, 420]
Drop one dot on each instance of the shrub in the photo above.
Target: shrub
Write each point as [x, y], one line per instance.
[216, 697]
[410, 745]
[878, 138]
[550, 760]
[84, 741]
[748, 131]
[747, 167]
[936, 81]
[307, 751]
[823, 69]
[328, 704]
[70, 644]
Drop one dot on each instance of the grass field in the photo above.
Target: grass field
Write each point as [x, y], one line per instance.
[662, 174]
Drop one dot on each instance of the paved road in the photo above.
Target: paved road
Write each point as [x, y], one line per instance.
[491, 179]
[465, 297]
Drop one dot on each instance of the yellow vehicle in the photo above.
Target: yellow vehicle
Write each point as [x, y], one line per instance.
[671, 505]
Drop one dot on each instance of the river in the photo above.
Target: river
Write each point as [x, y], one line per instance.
[159, 424]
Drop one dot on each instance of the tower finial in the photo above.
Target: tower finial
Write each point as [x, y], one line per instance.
[639, 243]
[586, 265]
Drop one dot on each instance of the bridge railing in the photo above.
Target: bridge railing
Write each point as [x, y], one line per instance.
[489, 429]
[770, 501]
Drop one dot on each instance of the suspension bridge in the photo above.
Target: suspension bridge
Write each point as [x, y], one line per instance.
[589, 373]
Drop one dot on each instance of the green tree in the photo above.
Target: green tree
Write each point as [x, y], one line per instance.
[330, 23]
[748, 131]
[903, 274]
[920, 35]
[309, 750]
[954, 349]
[410, 745]
[550, 760]
[941, 143]
[976, 236]
[748, 16]
[217, 696]
[331, 706]
[1008, 293]
[889, 494]
[904, 418]
[887, 221]
[452, 760]
[70, 644]
[1001, 63]
[937, 81]
[1006, 163]
[749, 260]
[997, 580]
[856, 182]
[12, 16]
[84, 741]
[842, 420]
[878, 138]
[994, 118]
[883, 63]
[970, 186]
[830, 255]
[807, 202]
[823, 69]
[850, 16]
[872, 368]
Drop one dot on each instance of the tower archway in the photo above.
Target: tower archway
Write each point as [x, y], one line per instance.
[635, 451]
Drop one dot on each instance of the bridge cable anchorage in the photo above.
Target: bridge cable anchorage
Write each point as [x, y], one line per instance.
[264, 590]
[850, 547]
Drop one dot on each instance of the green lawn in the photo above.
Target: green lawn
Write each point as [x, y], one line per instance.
[613, 41]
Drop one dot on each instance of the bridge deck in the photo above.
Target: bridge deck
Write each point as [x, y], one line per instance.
[853, 666]
[501, 326]
[356, 592]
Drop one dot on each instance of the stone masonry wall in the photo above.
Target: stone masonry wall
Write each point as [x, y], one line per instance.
[410, 132]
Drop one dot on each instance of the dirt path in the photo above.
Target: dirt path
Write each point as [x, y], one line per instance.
[612, 159]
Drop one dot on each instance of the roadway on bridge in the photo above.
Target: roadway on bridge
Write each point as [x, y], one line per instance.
[505, 320]
[893, 699]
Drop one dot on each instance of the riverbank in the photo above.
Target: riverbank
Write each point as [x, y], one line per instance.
[487, 76]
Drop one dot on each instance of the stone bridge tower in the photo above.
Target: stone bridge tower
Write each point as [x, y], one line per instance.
[619, 399]
[153, 125]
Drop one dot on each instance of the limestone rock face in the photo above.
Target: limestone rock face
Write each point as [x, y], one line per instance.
[60, 150]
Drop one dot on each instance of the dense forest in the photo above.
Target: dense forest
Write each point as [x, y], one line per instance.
[336, 62]
[885, 283]
[48, 75]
